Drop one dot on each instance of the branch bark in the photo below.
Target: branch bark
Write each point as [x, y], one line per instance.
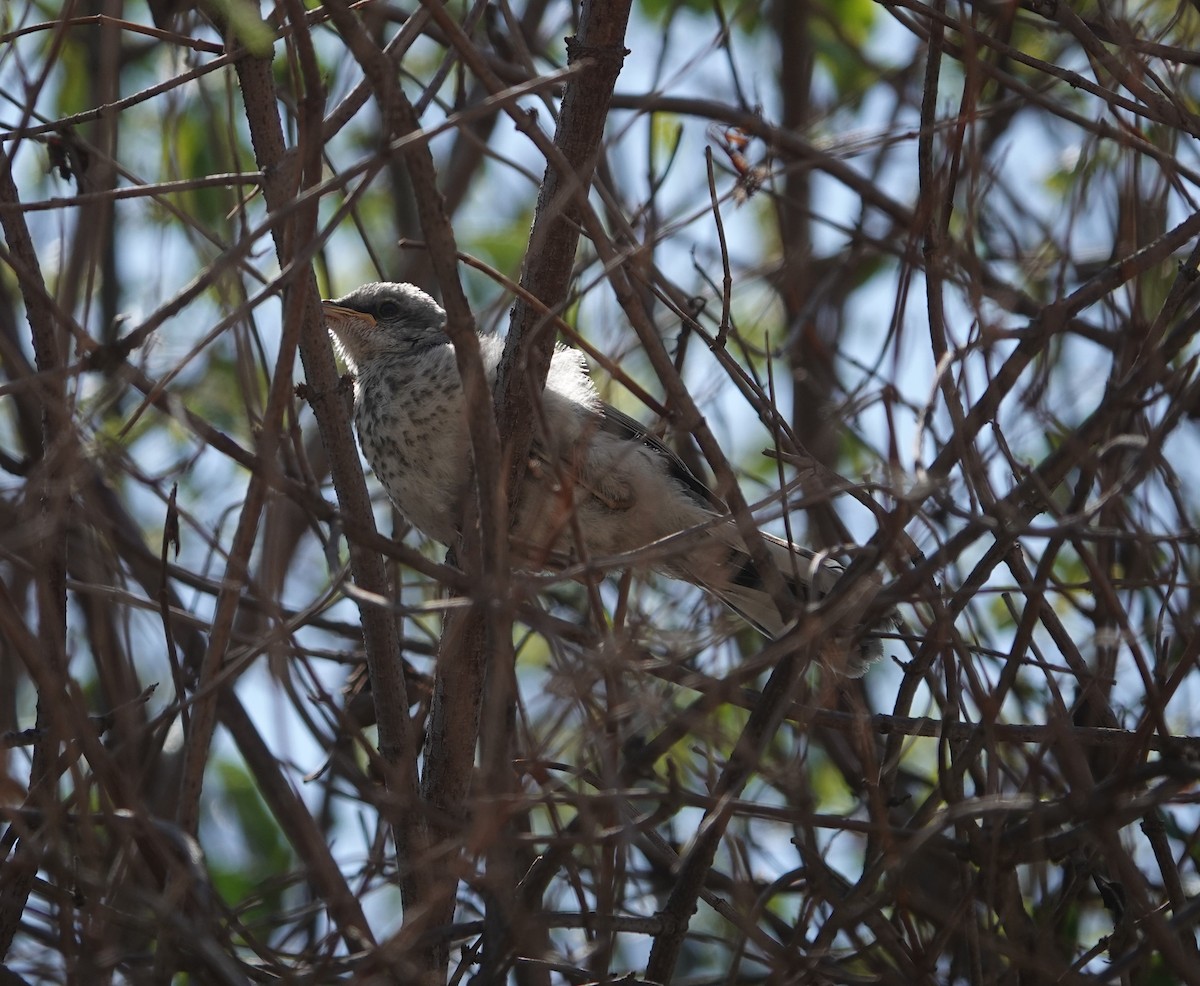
[55, 458]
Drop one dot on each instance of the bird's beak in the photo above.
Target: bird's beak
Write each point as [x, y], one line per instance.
[339, 313]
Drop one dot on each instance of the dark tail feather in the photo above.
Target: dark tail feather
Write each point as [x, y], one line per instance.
[737, 583]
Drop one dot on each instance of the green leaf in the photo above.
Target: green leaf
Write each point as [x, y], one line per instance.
[734, 12]
[666, 129]
[256, 881]
[247, 27]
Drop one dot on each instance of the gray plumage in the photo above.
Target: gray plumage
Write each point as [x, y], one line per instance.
[624, 488]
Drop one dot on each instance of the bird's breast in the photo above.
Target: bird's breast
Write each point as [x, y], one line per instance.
[413, 434]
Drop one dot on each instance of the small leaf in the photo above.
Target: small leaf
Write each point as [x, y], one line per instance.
[247, 27]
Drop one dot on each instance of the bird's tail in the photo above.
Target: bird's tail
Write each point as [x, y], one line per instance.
[734, 578]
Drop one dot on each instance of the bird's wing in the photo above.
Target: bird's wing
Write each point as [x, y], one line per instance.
[736, 578]
[609, 488]
[622, 426]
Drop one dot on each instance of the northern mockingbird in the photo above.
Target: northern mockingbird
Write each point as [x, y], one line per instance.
[594, 473]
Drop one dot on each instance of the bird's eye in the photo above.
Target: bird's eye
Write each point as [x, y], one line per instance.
[389, 309]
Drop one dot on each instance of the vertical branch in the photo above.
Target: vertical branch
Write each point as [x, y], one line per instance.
[599, 50]
[237, 570]
[304, 327]
[55, 460]
[550, 252]
[470, 637]
[812, 339]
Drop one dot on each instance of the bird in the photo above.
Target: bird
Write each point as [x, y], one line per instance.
[594, 474]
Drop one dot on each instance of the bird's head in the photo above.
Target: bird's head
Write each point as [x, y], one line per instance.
[382, 319]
